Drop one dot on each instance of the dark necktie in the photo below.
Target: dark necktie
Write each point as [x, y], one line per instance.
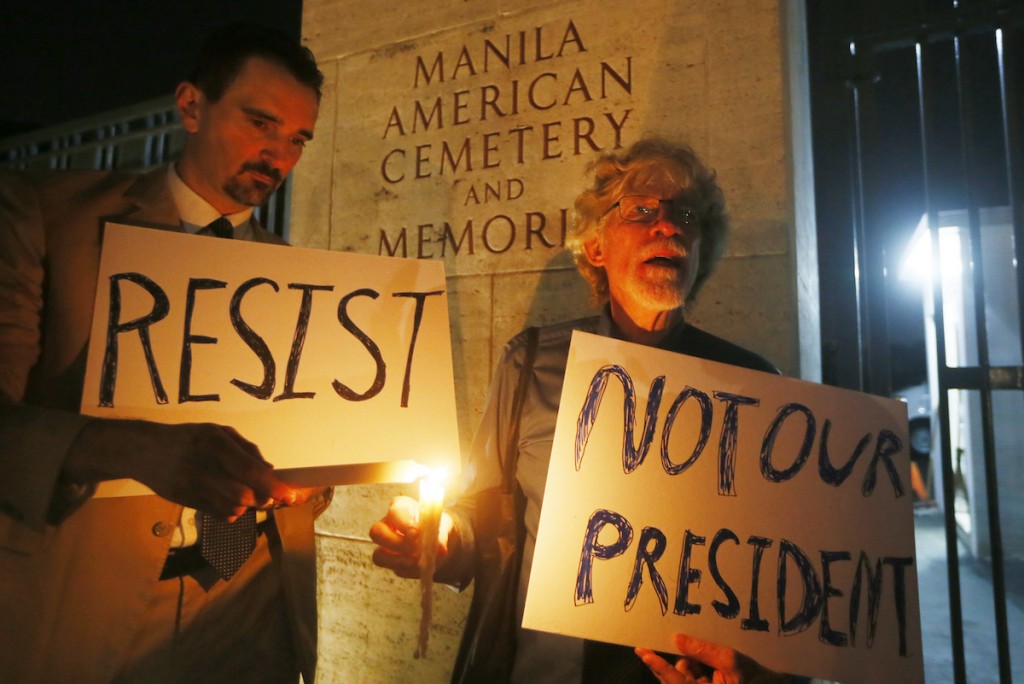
[226, 546]
[222, 228]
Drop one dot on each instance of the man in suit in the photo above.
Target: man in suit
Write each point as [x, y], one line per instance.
[114, 589]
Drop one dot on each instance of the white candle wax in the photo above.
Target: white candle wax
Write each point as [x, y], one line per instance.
[431, 502]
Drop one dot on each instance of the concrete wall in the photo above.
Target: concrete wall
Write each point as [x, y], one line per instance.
[459, 131]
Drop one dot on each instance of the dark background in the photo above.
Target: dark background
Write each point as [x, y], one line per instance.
[61, 60]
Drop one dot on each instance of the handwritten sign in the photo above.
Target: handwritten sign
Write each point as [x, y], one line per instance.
[337, 365]
[766, 513]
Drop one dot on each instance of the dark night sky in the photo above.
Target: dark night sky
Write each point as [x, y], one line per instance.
[63, 60]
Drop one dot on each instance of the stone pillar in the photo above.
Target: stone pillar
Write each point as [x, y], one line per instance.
[460, 131]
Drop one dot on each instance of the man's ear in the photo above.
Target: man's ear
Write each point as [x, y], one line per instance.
[188, 98]
[594, 252]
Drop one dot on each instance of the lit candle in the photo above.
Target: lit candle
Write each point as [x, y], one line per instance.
[431, 502]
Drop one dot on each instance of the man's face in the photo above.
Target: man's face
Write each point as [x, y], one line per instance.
[651, 261]
[241, 147]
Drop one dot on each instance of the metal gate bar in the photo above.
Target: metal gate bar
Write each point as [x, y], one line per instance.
[964, 103]
[1001, 24]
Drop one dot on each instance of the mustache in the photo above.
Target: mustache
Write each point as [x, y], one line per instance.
[666, 247]
[263, 168]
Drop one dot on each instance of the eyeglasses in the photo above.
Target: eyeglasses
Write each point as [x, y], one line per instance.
[647, 209]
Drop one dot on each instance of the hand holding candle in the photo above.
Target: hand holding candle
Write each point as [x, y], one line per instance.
[429, 521]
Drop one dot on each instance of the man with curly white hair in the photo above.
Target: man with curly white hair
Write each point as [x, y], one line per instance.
[647, 235]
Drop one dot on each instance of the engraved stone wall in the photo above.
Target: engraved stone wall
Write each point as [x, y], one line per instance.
[459, 130]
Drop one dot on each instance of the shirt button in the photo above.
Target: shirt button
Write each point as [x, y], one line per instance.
[162, 529]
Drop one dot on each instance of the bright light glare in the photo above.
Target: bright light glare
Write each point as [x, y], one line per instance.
[413, 471]
[431, 491]
[422, 473]
[917, 259]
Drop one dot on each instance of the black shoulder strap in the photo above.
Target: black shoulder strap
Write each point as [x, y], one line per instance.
[508, 475]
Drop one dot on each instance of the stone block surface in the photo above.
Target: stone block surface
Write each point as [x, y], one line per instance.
[460, 131]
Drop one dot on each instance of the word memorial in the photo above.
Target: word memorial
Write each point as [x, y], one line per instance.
[762, 512]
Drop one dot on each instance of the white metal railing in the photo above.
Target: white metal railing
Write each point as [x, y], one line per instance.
[134, 139]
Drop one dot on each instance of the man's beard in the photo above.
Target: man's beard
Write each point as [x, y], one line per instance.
[249, 192]
[662, 291]
[664, 296]
[666, 288]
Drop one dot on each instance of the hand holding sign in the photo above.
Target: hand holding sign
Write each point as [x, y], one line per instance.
[781, 524]
[208, 467]
[702, 660]
[316, 357]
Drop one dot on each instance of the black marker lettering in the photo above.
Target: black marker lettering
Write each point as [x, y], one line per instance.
[188, 339]
[769, 471]
[343, 390]
[706, 415]
[299, 340]
[254, 341]
[826, 634]
[648, 557]
[420, 297]
[728, 440]
[687, 576]
[754, 622]
[161, 306]
[810, 606]
[632, 456]
[828, 473]
[593, 549]
[731, 608]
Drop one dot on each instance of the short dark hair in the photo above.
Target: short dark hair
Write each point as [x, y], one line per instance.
[227, 49]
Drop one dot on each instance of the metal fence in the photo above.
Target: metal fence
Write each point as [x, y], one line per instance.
[935, 120]
[136, 139]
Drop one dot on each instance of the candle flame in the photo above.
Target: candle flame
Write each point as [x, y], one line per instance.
[431, 491]
[413, 471]
[430, 478]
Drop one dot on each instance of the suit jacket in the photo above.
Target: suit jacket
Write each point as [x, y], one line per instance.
[76, 573]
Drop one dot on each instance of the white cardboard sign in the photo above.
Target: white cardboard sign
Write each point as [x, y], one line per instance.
[337, 365]
[761, 512]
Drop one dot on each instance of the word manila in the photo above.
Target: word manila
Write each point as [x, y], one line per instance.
[116, 327]
[817, 582]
